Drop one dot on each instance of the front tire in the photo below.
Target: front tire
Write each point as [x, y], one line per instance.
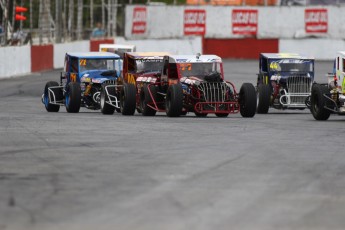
[319, 102]
[105, 107]
[128, 100]
[73, 97]
[47, 94]
[247, 100]
[174, 101]
[145, 99]
[263, 98]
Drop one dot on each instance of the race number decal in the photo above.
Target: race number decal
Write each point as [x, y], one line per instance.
[130, 79]
[73, 77]
[82, 62]
[316, 20]
[139, 20]
[244, 22]
[194, 22]
[186, 66]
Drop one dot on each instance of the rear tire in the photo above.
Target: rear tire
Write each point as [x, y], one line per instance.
[247, 100]
[73, 97]
[58, 96]
[174, 101]
[145, 99]
[318, 102]
[105, 107]
[263, 98]
[128, 100]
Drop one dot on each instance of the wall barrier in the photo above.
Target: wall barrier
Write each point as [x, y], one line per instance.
[247, 48]
[41, 58]
[15, 61]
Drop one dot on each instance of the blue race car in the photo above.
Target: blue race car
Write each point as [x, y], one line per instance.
[284, 81]
[86, 79]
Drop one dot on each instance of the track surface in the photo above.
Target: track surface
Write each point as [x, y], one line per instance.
[283, 170]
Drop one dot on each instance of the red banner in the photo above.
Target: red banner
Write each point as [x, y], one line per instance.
[139, 20]
[245, 22]
[194, 22]
[316, 20]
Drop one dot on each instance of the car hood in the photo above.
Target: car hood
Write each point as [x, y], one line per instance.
[98, 76]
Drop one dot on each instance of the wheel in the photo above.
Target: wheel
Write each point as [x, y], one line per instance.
[73, 97]
[222, 114]
[145, 99]
[174, 100]
[247, 100]
[318, 102]
[127, 100]
[57, 93]
[105, 107]
[263, 98]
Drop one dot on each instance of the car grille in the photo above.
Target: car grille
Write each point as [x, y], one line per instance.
[213, 91]
[110, 82]
[298, 85]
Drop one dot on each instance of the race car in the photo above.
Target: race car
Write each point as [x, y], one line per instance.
[136, 65]
[193, 83]
[284, 81]
[119, 49]
[85, 75]
[329, 98]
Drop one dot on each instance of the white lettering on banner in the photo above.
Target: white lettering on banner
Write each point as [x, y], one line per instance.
[316, 20]
[139, 20]
[194, 22]
[244, 21]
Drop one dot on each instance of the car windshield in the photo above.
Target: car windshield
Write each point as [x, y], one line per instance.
[199, 69]
[149, 65]
[291, 66]
[96, 64]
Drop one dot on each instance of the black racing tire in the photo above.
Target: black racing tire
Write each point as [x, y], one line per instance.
[145, 99]
[58, 96]
[200, 114]
[174, 100]
[73, 97]
[247, 100]
[319, 102]
[222, 114]
[128, 99]
[263, 98]
[105, 107]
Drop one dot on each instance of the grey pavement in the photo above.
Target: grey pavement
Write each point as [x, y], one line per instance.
[283, 170]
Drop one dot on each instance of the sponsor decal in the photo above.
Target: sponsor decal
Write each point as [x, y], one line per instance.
[139, 20]
[244, 22]
[194, 22]
[316, 20]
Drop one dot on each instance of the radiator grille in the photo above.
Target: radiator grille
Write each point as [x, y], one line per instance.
[298, 85]
[213, 91]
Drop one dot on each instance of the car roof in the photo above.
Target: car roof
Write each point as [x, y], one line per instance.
[286, 56]
[117, 46]
[148, 54]
[342, 53]
[194, 58]
[93, 55]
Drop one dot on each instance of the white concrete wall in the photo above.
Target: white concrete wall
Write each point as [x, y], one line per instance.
[15, 60]
[187, 45]
[273, 22]
[61, 49]
[321, 49]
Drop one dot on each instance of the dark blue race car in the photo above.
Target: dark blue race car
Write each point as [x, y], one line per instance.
[284, 81]
[86, 78]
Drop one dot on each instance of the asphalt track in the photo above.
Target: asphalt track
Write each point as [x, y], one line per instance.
[283, 170]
